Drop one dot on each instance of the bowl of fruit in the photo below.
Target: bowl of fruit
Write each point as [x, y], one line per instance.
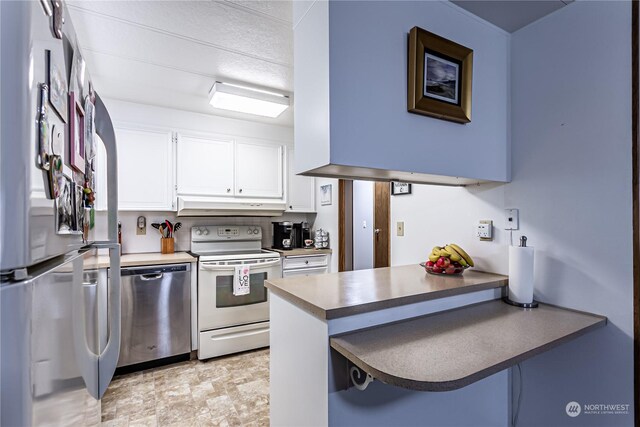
[447, 260]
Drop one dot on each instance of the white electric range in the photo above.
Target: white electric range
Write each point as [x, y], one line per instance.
[228, 323]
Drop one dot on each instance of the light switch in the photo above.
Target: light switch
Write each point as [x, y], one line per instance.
[400, 228]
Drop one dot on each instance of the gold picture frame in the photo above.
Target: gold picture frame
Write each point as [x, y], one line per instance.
[440, 74]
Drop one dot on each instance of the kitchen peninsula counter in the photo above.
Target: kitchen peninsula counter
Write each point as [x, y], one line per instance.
[412, 332]
[335, 295]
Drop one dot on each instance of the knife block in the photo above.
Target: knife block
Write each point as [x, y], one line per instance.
[166, 245]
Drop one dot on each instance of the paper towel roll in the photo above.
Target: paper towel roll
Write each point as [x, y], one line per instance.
[521, 274]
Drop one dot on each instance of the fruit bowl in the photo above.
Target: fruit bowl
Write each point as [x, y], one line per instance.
[447, 260]
[432, 269]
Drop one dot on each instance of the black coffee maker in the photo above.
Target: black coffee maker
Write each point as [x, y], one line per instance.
[282, 235]
[301, 232]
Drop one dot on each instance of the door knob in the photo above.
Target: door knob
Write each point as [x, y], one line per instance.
[377, 231]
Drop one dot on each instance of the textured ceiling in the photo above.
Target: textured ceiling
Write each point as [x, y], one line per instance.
[511, 15]
[169, 53]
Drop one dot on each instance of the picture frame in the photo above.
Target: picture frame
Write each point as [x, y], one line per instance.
[400, 188]
[89, 129]
[57, 83]
[76, 133]
[64, 202]
[326, 195]
[440, 74]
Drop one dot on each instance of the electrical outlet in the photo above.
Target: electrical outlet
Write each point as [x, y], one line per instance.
[400, 228]
[511, 220]
[485, 230]
[141, 226]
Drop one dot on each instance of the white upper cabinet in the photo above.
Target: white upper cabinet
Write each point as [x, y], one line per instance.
[205, 165]
[146, 177]
[259, 171]
[301, 194]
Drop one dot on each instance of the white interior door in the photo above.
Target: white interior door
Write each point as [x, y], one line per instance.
[205, 165]
[259, 171]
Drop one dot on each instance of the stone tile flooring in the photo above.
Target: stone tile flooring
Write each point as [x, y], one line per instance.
[225, 391]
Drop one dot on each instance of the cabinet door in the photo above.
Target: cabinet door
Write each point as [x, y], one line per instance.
[145, 169]
[302, 194]
[205, 166]
[259, 171]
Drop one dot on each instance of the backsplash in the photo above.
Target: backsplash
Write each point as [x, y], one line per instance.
[150, 242]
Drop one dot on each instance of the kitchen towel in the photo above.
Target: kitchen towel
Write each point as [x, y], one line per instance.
[241, 280]
[521, 274]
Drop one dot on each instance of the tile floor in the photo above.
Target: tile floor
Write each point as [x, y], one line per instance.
[225, 391]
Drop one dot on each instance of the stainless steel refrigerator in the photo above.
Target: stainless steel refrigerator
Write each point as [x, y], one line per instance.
[59, 314]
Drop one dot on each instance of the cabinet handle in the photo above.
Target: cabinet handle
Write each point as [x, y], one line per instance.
[228, 190]
[240, 190]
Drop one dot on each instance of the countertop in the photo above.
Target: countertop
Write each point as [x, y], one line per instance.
[334, 295]
[452, 349]
[153, 258]
[301, 251]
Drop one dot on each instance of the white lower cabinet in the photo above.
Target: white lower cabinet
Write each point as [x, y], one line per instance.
[301, 196]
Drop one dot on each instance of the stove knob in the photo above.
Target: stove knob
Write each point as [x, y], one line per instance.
[249, 231]
[206, 231]
[198, 232]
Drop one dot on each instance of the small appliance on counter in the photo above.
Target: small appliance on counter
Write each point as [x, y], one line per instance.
[282, 235]
[299, 234]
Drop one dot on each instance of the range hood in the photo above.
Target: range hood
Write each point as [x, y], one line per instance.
[207, 206]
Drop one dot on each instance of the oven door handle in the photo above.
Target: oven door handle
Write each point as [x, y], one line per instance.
[209, 267]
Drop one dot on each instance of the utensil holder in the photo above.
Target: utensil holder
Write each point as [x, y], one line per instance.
[166, 245]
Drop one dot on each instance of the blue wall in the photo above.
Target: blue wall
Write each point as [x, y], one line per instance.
[370, 125]
[571, 159]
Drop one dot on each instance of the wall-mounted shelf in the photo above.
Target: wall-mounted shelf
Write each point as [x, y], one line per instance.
[452, 349]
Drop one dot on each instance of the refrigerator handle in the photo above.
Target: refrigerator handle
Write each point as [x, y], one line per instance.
[104, 128]
[108, 359]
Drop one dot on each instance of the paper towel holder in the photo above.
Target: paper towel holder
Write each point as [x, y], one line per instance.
[533, 303]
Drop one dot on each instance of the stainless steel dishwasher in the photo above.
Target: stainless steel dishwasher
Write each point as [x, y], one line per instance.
[156, 313]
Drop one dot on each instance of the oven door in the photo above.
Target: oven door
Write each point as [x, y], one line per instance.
[219, 308]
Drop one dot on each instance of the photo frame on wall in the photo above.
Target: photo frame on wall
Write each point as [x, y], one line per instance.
[325, 195]
[400, 188]
[76, 133]
[440, 74]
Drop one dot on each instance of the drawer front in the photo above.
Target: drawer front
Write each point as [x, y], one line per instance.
[219, 342]
[305, 271]
[304, 261]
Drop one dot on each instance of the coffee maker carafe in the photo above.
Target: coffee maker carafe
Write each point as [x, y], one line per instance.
[282, 235]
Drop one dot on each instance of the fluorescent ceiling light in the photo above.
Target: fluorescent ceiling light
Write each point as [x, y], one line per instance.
[247, 100]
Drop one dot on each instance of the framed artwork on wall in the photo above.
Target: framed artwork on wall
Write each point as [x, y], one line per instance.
[439, 77]
[325, 195]
[76, 133]
[400, 188]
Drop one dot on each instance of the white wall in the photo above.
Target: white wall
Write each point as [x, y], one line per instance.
[150, 242]
[363, 234]
[571, 157]
[370, 125]
[327, 218]
[436, 215]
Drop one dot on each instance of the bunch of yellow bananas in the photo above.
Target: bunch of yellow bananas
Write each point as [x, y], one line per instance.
[453, 252]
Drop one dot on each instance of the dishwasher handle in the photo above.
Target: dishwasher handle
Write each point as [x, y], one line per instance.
[149, 277]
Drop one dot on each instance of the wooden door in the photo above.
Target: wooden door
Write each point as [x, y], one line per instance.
[381, 219]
